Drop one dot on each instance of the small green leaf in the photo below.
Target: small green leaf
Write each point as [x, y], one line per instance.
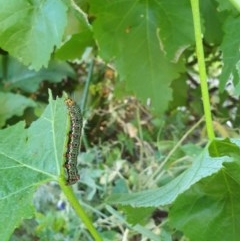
[137, 215]
[13, 104]
[75, 47]
[30, 29]
[202, 167]
[19, 76]
[120, 186]
[210, 209]
[191, 149]
[180, 90]
[29, 157]
[218, 148]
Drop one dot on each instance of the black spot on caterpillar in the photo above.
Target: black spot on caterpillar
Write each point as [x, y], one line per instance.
[73, 141]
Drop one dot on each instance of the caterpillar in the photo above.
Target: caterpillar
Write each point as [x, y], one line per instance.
[73, 141]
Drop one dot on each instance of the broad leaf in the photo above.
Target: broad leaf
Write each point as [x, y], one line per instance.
[13, 104]
[30, 29]
[210, 209]
[29, 157]
[202, 167]
[142, 37]
[19, 76]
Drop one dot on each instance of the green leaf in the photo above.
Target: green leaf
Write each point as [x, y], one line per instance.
[212, 22]
[202, 167]
[210, 209]
[30, 29]
[165, 235]
[224, 5]
[29, 157]
[75, 47]
[13, 104]
[180, 89]
[142, 37]
[78, 37]
[137, 215]
[19, 76]
[236, 4]
[191, 149]
[138, 228]
[230, 48]
[218, 148]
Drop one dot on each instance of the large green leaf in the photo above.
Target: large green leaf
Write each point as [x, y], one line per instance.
[142, 37]
[30, 29]
[13, 104]
[205, 198]
[29, 157]
[210, 209]
[202, 167]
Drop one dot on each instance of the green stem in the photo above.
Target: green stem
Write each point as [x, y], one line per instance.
[84, 97]
[86, 87]
[140, 132]
[157, 173]
[202, 69]
[67, 190]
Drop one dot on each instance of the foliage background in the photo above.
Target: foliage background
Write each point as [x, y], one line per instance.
[132, 67]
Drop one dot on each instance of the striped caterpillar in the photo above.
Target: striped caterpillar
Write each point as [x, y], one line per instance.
[73, 141]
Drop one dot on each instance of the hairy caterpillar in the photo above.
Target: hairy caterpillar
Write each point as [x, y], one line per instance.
[73, 141]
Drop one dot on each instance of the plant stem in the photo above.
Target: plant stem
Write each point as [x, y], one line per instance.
[157, 173]
[86, 86]
[202, 69]
[84, 97]
[67, 190]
